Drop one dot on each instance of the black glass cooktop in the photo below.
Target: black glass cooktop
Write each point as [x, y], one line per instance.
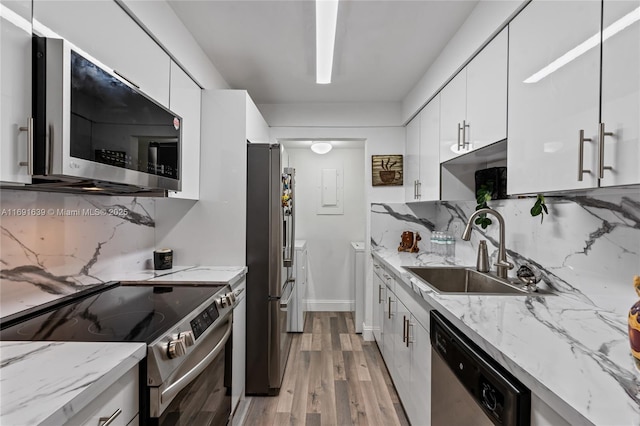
[117, 314]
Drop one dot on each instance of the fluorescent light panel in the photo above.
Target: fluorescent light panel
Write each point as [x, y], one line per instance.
[326, 18]
[586, 45]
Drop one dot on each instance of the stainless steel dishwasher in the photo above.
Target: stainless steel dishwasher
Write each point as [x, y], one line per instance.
[468, 387]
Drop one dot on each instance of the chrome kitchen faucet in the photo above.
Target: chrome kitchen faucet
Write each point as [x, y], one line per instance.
[502, 265]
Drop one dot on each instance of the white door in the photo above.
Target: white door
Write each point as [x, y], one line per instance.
[412, 160]
[487, 94]
[429, 187]
[621, 92]
[388, 339]
[453, 112]
[15, 89]
[553, 94]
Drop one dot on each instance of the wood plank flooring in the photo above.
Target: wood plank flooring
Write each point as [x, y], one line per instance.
[334, 378]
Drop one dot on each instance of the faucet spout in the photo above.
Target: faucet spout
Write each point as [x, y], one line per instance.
[502, 265]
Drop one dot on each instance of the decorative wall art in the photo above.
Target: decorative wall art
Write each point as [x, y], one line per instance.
[386, 170]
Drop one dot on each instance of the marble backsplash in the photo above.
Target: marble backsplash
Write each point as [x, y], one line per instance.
[55, 244]
[587, 248]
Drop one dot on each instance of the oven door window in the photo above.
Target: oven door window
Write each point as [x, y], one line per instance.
[207, 399]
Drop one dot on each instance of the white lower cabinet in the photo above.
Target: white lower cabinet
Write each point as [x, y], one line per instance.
[239, 349]
[120, 402]
[407, 352]
[379, 291]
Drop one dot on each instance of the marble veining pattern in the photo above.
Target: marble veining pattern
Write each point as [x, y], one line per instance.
[32, 392]
[65, 242]
[572, 348]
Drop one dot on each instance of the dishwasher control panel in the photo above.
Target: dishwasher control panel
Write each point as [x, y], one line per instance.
[504, 399]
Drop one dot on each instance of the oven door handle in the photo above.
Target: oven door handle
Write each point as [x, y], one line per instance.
[170, 392]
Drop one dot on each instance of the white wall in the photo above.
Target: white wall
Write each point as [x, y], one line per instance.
[331, 287]
[383, 114]
[212, 231]
[486, 20]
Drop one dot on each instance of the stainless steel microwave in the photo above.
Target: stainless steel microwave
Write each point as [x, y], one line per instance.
[93, 128]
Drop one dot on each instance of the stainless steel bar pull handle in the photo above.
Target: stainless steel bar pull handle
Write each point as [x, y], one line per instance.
[389, 313]
[409, 325]
[581, 142]
[106, 421]
[404, 328]
[419, 190]
[379, 294]
[464, 133]
[29, 129]
[602, 167]
[459, 130]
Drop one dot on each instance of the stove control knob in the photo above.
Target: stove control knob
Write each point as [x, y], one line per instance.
[230, 299]
[188, 338]
[176, 348]
[223, 302]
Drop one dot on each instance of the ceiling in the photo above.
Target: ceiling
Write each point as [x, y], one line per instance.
[383, 47]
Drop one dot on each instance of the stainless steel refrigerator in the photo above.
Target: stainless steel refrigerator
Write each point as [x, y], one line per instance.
[270, 254]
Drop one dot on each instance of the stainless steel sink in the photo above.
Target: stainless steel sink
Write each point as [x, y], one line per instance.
[464, 280]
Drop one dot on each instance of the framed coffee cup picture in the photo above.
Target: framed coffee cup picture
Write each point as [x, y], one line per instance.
[386, 170]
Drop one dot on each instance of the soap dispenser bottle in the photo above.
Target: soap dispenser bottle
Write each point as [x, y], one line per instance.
[482, 265]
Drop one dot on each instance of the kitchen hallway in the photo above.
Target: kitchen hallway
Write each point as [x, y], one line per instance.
[333, 377]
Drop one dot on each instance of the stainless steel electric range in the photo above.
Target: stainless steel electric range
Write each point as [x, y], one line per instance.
[186, 377]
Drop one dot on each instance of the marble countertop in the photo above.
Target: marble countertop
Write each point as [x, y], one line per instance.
[189, 274]
[572, 355]
[35, 391]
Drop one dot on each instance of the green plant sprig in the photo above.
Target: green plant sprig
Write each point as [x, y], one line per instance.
[539, 207]
[482, 197]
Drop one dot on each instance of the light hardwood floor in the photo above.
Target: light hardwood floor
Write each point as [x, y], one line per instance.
[333, 377]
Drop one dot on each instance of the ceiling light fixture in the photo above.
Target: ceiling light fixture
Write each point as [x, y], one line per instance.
[321, 147]
[586, 45]
[326, 18]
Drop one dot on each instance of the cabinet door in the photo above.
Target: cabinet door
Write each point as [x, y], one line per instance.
[453, 111]
[553, 95]
[412, 160]
[388, 341]
[185, 101]
[378, 304]
[419, 404]
[402, 354]
[106, 32]
[487, 94]
[15, 89]
[621, 92]
[429, 188]
[239, 348]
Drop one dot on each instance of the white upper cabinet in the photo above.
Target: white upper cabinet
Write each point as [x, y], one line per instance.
[453, 112]
[429, 186]
[473, 105]
[106, 32]
[487, 94]
[185, 101]
[553, 96]
[15, 90]
[621, 92]
[412, 160]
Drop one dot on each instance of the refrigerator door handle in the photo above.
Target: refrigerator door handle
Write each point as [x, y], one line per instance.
[284, 305]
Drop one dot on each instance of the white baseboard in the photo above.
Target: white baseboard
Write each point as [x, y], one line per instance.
[367, 333]
[317, 305]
